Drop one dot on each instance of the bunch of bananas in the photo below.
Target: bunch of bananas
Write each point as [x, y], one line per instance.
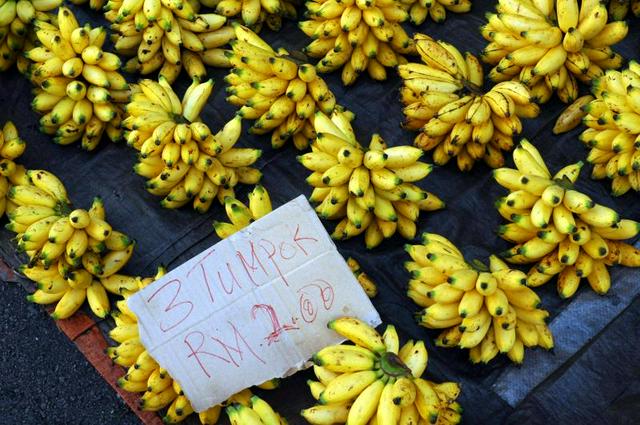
[78, 84]
[487, 310]
[179, 155]
[436, 9]
[240, 215]
[11, 147]
[548, 45]
[613, 121]
[618, 9]
[69, 251]
[443, 99]
[377, 381]
[15, 21]
[167, 35]
[144, 374]
[368, 285]
[370, 190]
[357, 36]
[559, 228]
[271, 88]
[256, 13]
[256, 412]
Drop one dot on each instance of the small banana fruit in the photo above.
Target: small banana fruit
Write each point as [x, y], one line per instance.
[549, 49]
[181, 158]
[480, 308]
[375, 379]
[444, 101]
[561, 231]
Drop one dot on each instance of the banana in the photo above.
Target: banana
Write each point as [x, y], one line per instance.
[561, 229]
[547, 45]
[386, 392]
[460, 126]
[487, 303]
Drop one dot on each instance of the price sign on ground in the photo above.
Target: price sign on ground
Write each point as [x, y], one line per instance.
[250, 308]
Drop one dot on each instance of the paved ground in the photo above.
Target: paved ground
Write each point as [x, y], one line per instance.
[44, 379]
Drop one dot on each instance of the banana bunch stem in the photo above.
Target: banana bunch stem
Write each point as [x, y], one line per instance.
[166, 36]
[488, 310]
[357, 36]
[437, 10]
[182, 160]
[11, 173]
[276, 91]
[551, 45]
[613, 128]
[79, 87]
[376, 379]
[559, 229]
[444, 100]
[371, 191]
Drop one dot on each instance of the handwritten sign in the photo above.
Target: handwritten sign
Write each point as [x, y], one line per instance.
[250, 308]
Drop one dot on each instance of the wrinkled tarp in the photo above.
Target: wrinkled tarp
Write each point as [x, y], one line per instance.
[591, 376]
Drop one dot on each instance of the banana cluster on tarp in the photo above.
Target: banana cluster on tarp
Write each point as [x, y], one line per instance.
[144, 374]
[549, 45]
[613, 134]
[15, 25]
[182, 160]
[444, 100]
[357, 36]
[69, 250]
[256, 13]
[370, 191]
[11, 147]
[166, 36]
[487, 310]
[563, 231]
[79, 87]
[437, 10]
[271, 88]
[375, 380]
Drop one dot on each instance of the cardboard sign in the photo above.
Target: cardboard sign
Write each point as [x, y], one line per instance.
[251, 308]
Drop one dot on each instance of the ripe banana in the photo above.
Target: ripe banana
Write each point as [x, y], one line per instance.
[475, 305]
[370, 191]
[445, 102]
[168, 36]
[560, 230]
[357, 37]
[180, 157]
[388, 386]
[549, 48]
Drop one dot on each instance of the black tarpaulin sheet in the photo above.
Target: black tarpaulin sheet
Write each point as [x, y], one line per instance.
[591, 376]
